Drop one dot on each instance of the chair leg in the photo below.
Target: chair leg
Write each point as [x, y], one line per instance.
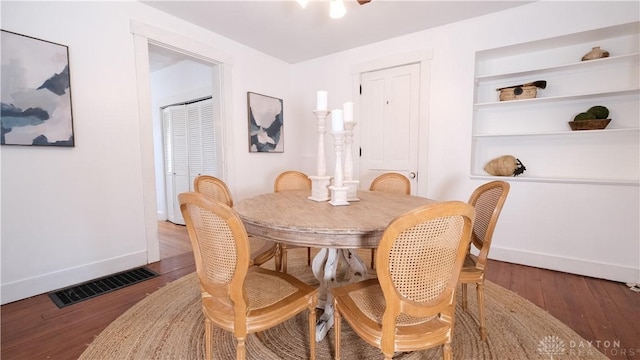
[480, 294]
[284, 259]
[308, 256]
[241, 351]
[446, 352]
[336, 329]
[464, 296]
[312, 331]
[373, 259]
[208, 338]
[278, 257]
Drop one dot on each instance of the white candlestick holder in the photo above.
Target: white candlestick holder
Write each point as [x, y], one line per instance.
[338, 190]
[351, 184]
[320, 182]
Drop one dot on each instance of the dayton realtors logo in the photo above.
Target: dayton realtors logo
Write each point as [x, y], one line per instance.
[555, 346]
[551, 345]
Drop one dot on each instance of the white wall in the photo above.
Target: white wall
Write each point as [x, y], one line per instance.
[584, 229]
[73, 214]
[69, 215]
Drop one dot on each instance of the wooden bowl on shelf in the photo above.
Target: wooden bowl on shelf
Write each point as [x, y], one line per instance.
[596, 124]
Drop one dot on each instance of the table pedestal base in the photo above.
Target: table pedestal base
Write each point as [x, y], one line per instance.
[329, 271]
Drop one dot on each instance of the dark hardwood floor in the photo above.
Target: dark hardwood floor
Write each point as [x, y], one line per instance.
[603, 312]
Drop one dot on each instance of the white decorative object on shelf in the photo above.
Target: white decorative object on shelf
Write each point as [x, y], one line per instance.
[338, 190]
[351, 184]
[320, 182]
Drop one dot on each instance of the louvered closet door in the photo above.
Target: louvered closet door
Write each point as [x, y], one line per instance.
[190, 150]
[202, 149]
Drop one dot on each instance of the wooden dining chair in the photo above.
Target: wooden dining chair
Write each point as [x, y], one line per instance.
[488, 200]
[237, 297]
[291, 180]
[411, 304]
[262, 250]
[393, 183]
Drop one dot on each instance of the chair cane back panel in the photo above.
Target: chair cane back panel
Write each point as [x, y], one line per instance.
[261, 250]
[290, 180]
[411, 305]
[389, 182]
[488, 200]
[238, 297]
[214, 187]
[220, 248]
[424, 255]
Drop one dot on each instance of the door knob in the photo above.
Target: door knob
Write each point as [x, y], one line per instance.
[412, 175]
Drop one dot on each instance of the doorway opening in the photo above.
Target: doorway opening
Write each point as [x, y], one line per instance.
[185, 52]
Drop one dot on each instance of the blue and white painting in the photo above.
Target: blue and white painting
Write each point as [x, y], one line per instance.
[265, 123]
[36, 92]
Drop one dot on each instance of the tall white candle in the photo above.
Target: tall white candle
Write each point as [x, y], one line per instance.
[337, 123]
[348, 111]
[321, 100]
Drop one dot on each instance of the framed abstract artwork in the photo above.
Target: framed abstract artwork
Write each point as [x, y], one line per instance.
[36, 92]
[265, 123]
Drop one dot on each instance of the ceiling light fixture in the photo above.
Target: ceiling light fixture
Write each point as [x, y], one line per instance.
[337, 9]
[303, 3]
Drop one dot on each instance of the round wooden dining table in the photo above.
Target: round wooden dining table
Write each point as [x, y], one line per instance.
[290, 217]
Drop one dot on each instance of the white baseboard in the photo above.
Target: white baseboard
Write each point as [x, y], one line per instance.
[24, 288]
[584, 267]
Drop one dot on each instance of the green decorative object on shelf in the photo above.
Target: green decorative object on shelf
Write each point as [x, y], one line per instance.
[585, 116]
[600, 112]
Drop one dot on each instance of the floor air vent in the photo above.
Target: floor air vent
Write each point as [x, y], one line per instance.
[74, 294]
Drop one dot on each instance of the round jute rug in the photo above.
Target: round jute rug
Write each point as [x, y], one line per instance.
[168, 324]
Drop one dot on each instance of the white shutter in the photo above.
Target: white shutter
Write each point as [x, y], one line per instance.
[195, 141]
[179, 140]
[209, 153]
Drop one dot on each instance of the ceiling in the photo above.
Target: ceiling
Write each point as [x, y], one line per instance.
[293, 34]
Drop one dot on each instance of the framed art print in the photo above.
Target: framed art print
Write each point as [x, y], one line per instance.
[265, 123]
[36, 92]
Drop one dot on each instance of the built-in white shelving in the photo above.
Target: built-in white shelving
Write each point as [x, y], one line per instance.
[537, 131]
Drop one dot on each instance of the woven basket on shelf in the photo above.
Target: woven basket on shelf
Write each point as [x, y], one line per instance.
[518, 92]
[595, 124]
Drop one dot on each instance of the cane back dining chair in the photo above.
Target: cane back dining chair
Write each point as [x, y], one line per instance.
[488, 200]
[262, 250]
[411, 305]
[291, 180]
[389, 182]
[237, 297]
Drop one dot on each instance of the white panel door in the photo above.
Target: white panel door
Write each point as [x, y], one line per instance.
[389, 108]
